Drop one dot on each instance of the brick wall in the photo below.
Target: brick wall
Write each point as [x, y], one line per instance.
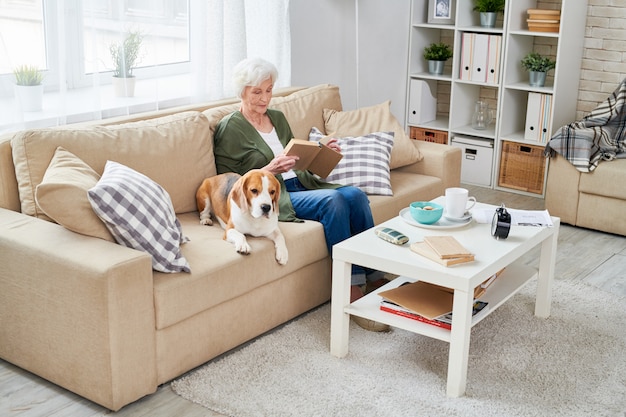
[604, 55]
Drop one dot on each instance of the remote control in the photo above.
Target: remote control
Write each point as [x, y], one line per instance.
[391, 235]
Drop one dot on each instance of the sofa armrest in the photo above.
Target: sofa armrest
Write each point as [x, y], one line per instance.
[441, 161]
[562, 189]
[77, 310]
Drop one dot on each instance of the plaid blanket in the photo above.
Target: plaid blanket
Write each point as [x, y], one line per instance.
[599, 136]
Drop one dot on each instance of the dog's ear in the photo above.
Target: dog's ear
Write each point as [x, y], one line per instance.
[238, 194]
[276, 196]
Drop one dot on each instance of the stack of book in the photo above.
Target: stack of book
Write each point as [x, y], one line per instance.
[445, 250]
[424, 302]
[540, 20]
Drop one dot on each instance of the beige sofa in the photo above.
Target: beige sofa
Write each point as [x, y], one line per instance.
[93, 316]
[595, 200]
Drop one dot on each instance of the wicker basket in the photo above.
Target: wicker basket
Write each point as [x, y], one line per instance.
[429, 135]
[522, 167]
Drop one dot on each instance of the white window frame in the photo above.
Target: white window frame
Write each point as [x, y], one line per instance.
[68, 14]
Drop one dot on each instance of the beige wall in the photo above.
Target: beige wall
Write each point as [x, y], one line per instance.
[604, 55]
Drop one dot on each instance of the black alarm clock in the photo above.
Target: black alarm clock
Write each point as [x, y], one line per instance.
[501, 223]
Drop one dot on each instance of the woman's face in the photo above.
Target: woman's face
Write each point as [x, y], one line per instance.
[257, 98]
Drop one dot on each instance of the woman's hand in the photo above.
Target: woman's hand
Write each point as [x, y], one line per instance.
[281, 163]
[332, 144]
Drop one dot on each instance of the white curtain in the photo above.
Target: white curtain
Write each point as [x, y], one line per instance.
[204, 41]
[236, 29]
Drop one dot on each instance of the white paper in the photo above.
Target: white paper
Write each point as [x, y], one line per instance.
[538, 218]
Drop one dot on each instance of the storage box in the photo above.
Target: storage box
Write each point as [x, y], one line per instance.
[476, 161]
[522, 167]
[428, 135]
[422, 103]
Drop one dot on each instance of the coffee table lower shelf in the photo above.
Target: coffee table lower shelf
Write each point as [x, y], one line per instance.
[512, 279]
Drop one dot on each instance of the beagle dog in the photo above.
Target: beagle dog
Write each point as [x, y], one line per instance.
[243, 205]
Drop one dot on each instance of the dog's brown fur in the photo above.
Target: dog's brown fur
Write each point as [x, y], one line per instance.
[243, 205]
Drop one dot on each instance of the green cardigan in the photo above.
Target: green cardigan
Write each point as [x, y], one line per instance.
[238, 147]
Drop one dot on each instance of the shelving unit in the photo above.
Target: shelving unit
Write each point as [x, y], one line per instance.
[508, 96]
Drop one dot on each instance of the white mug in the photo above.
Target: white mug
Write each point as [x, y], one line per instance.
[457, 200]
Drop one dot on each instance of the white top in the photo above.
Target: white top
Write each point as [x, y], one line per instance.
[277, 148]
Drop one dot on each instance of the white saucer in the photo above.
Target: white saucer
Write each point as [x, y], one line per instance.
[467, 216]
[443, 223]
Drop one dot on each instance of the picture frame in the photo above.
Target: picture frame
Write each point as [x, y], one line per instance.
[441, 12]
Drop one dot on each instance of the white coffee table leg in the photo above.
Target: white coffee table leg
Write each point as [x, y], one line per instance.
[546, 274]
[459, 343]
[340, 298]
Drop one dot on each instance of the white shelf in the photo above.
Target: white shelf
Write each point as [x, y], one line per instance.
[512, 279]
[508, 98]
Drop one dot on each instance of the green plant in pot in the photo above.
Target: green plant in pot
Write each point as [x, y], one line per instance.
[125, 55]
[29, 87]
[488, 10]
[437, 54]
[537, 66]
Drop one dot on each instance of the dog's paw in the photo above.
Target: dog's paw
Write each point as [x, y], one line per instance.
[243, 248]
[206, 222]
[282, 255]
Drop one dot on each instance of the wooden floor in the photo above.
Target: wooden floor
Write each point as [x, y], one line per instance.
[594, 257]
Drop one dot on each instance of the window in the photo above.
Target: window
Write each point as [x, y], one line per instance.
[164, 25]
[188, 50]
[21, 23]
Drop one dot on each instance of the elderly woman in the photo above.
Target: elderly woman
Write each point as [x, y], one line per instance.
[255, 137]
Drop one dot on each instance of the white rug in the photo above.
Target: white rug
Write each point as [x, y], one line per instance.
[572, 364]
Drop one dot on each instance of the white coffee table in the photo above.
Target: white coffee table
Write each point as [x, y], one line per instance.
[491, 255]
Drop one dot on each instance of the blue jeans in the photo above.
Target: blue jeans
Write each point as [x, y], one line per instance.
[343, 212]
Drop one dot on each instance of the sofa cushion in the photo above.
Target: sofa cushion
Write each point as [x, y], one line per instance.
[602, 180]
[215, 114]
[376, 118]
[304, 109]
[62, 195]
[365, 162]
[139, 214]
[220, 274]
[165, 149]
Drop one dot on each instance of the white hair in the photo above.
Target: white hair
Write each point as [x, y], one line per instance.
[252, 72]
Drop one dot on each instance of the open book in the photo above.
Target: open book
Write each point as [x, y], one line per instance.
[314, 156]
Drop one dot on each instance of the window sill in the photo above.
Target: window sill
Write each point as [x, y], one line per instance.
[86, 104]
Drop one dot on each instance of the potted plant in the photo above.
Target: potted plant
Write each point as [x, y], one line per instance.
[125, 55]
[488, 10]
[537, 66]
[437, 54]
[29, 87]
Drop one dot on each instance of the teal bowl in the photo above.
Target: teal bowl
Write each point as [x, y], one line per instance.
[426, 212]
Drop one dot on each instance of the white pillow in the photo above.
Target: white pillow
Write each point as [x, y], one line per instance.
[139, 214]
[365, 162]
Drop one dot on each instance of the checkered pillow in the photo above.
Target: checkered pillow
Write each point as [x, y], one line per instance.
[365, 162]
[139, 214]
